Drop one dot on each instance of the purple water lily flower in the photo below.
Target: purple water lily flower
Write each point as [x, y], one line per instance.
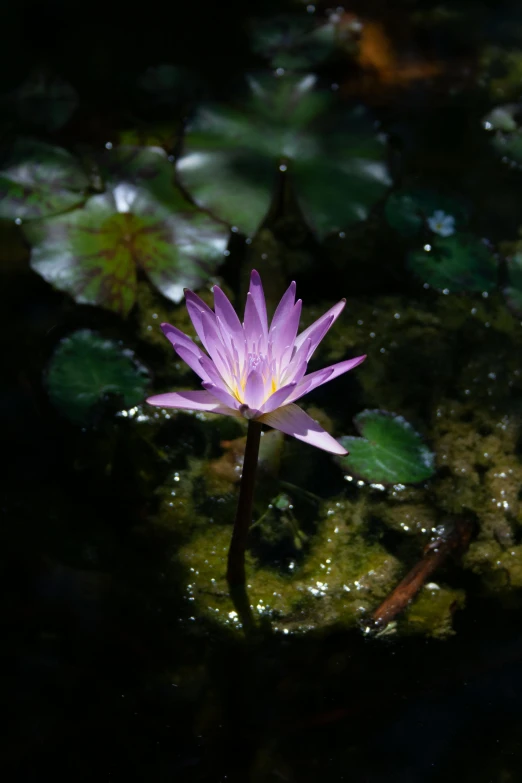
[252, 369]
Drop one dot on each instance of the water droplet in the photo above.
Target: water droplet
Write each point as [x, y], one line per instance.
[18, 221]
[108, 145]
[283, 167]
[427, 248]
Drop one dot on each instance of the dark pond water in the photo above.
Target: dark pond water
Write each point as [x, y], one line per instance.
[371, 152]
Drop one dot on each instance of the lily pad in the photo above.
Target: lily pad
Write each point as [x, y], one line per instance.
[457, 263]
[390, 451]
[86, 367]
[142, 222]
[38, 180]
[410, 211]
[336, 161]
[502, 118]
[513, 291]
[292, 41]
[509, 146]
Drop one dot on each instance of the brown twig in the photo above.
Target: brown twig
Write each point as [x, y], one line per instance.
[454, 537]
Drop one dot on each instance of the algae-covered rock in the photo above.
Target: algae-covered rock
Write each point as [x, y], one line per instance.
[431, 613]
[325, 549]
[342, 577]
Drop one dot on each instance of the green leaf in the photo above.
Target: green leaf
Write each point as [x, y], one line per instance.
[141, 222]
[292, 41]
[457, 263]
[38, 180]
[408, 211]
[336, 162]
[86, 367]
[389, 451]
[509, 146]
[502, 118]
[513, 291]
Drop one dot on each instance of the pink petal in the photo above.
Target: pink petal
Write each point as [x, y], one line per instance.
[231, 325]
[254, 389]
[292, 420]
[222, 395]
[193, 361]
[196, 307]
[316, 328]
[278, 398]
[258, 297]
[214, 344]
[192, 401]
[284, 335]
[319, 377]
[255, 336]
[177, 337]
[295, 370]
[283, 309]
[212, 375]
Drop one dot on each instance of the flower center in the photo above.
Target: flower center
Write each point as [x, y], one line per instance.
[264, 366]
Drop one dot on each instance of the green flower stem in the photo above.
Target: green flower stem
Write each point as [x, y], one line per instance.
[236, 553]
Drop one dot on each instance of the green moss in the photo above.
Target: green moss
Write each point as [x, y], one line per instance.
[450, 365]
[431, 613]
[342, 578]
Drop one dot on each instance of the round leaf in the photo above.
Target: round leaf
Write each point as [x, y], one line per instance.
[502, 118]
[457, 263]
[231, 157]
[94, 253]
[509, 146]
[38, 180]
[389, 451]
[86, 367]
[408, 211]
[292, 41]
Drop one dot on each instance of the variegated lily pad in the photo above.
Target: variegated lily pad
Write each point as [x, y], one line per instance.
[38, 180]
[141, 222]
